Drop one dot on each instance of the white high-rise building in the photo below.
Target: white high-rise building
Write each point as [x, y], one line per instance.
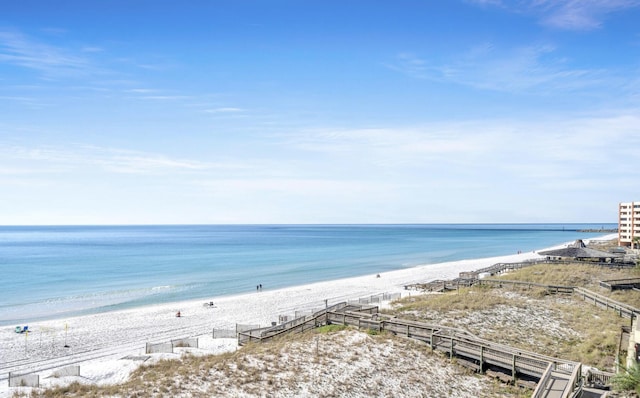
[629, 224]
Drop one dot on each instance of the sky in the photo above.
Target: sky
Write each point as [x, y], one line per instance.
[321, 112]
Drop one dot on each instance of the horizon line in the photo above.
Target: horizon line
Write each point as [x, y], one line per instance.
[301, 224]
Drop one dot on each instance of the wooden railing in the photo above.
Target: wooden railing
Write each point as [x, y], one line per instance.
[623, 310]
[457, 343]
[574, 383]
[296, 325]
[443, 285]
[473, 351]
[467, 278]
[543, 384]
[504, 282]
[598, 378]
[614, 284]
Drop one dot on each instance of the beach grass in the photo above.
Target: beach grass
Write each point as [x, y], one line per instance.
[463, 300]
[561, 326]
[573, 274]
[327, 364]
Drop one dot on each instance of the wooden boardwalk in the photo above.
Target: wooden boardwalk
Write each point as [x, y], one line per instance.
[619, 284]
[553, 386]
[468, 349]
[622, 309]
[469, 278]
[555, 377]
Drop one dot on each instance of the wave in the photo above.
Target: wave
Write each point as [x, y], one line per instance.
[86, 303]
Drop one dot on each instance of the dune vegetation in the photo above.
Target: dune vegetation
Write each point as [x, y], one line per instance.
[334, 360]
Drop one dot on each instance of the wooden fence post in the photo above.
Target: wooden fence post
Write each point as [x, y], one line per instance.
[481, 359]
[451, 349]
[513, 369]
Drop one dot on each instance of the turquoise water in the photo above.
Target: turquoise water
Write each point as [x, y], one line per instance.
[69, 270]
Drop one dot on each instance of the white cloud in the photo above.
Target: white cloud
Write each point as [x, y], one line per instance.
[531, 69]
[579, 14]
[92, 49]
[223, 110]
[31, 102]
[84, 157]
[165, 97]
[531, 151]
[473, 171]
[396, 146]
[565, 14]
[486, 2]
[411, 65]
[291, 186]
[13, 171]
[18, 49]
[141, 90]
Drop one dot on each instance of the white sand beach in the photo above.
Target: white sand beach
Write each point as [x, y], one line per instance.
[108, 346]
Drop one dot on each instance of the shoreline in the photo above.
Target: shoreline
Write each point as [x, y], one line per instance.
[124, 332]
[201, 262]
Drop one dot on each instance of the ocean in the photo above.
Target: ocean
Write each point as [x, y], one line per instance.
[60, 271]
